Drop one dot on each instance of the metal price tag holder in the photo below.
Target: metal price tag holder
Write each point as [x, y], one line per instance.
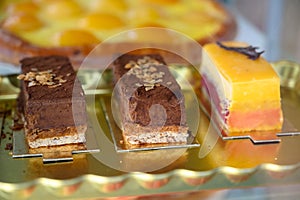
[53, 154]
[261, 137]
[120, 147]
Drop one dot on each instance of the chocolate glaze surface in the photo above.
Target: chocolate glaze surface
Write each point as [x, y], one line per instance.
[60, 66]
[46, 107]
[161, 105]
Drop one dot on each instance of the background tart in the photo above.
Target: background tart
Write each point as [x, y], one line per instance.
[74, 27]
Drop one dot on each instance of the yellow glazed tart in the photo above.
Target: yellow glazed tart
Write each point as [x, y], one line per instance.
[74, 27]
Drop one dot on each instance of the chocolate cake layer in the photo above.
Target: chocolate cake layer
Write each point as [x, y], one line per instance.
[151, 102]
[49, 93]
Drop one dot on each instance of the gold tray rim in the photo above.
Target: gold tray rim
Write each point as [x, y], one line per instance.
[193, 179]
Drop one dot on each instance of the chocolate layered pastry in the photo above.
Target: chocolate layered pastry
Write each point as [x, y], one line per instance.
[52, 102]
[150, 101]
[243, 88]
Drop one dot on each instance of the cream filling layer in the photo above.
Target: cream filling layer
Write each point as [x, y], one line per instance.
[221, 85]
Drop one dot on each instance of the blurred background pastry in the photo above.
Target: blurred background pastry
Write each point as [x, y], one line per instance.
[74, 27]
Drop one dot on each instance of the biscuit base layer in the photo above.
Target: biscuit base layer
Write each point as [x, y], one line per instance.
[135, 134]
[72, 135]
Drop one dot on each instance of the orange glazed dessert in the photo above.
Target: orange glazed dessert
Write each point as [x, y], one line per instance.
[242, 87]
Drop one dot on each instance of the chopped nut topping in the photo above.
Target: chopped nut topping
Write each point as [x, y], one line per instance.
[21, 76]
[149, 88]
[62, 81]
[146, 70]
[47, 78]
[30, 84]
[152, 69]
[148, 84]
[130, 65]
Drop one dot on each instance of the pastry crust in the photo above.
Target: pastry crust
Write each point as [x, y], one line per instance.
[13, 49]
[58, 151]
[136, 134]
[55, 136]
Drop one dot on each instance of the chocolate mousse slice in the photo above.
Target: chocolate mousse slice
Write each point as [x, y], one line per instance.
[151, 103]
[52, 101]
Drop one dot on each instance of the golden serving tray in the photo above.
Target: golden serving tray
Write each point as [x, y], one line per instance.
[226, 164]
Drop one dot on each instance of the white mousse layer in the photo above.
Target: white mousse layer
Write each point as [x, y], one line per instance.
[220, 84]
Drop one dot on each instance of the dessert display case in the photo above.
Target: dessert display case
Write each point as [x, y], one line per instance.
[205, 167]
[216, 164]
